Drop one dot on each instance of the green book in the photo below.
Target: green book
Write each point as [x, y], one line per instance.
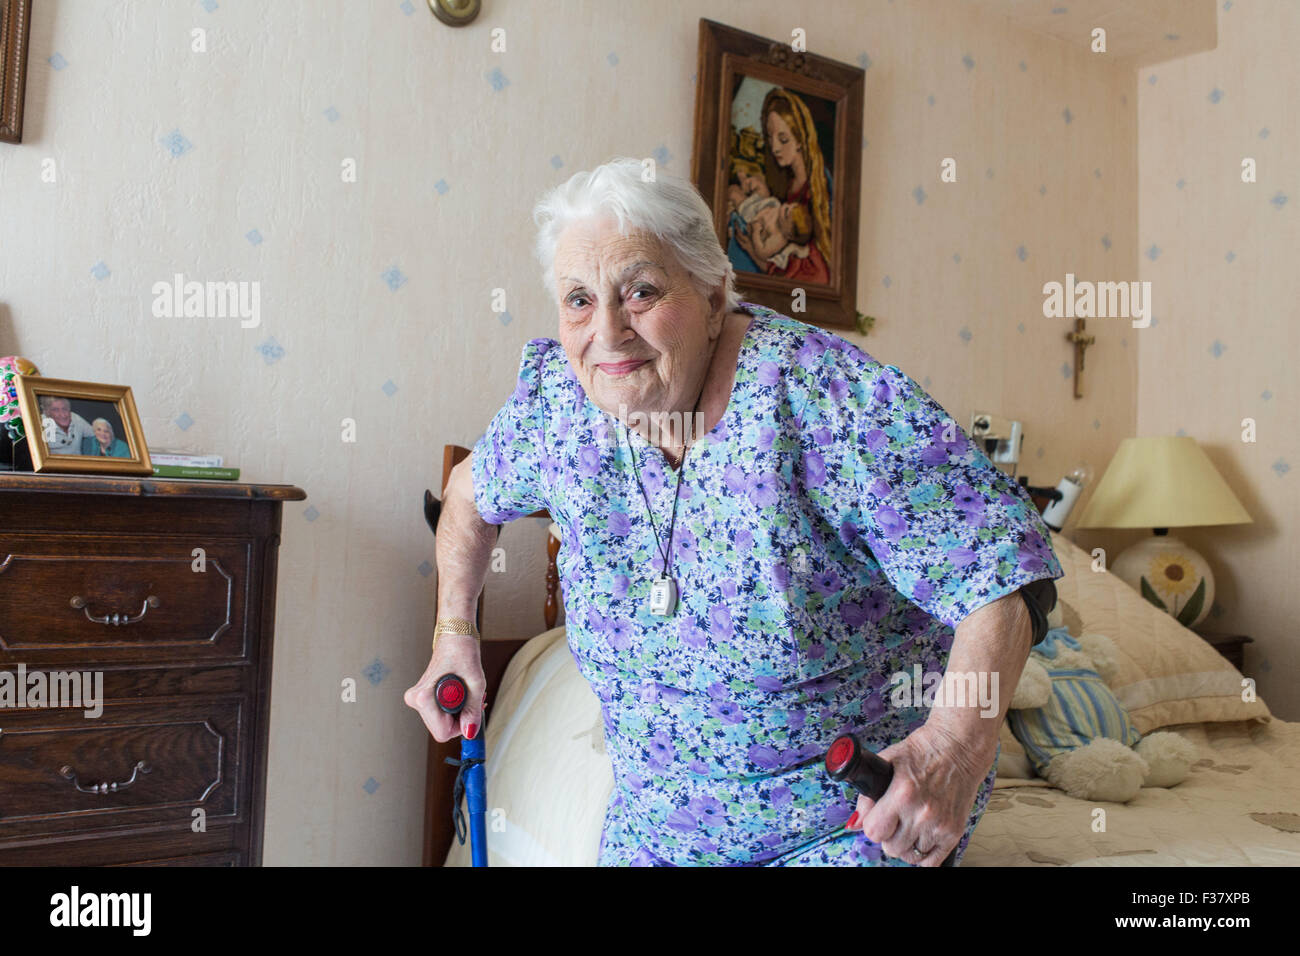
[185, 471]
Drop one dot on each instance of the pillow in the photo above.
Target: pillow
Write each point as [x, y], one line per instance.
[548, 778]
[1166, 673]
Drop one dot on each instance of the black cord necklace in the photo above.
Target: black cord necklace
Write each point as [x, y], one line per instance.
[663, 589]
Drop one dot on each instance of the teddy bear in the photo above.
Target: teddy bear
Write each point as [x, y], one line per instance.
[1076, 733]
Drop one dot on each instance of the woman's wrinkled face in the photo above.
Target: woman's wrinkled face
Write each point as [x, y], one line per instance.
[636, 330]
[104, 432]
[780, 139]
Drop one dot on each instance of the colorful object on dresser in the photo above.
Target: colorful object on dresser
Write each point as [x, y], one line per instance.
[1076, 733]
[1162, 483]
[11, 366]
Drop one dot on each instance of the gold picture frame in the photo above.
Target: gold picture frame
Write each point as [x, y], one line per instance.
[51, 442]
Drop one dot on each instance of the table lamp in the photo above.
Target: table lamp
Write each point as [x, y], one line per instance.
[1162, 483]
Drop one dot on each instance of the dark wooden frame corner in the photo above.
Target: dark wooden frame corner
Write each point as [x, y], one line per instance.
[725, 52]
[15, 36]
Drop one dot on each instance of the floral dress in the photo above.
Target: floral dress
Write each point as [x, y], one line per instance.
[831, 532]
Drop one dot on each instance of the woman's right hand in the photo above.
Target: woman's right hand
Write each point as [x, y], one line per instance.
[455, 654]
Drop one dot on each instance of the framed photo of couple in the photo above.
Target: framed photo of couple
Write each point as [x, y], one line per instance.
[778, 158]
[84, 427]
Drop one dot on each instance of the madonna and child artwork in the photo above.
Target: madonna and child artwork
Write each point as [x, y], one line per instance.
[780, 182]
[778, 158]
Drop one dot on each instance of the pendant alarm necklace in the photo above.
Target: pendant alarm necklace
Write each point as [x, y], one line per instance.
[663, 589]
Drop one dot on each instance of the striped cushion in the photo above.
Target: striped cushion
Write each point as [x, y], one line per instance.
[1081, 709]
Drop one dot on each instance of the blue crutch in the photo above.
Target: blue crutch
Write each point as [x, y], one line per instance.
[450, 693]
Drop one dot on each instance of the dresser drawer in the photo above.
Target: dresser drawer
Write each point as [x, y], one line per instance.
[136, 765]
[106, 599]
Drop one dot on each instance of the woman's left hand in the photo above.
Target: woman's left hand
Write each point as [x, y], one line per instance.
[929, 800]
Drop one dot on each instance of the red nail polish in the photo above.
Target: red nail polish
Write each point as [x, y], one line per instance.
[853, 822]
[471, 731]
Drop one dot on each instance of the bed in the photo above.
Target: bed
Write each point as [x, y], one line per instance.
[549, 779]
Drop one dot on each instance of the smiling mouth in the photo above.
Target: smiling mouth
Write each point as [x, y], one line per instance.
[621, 368]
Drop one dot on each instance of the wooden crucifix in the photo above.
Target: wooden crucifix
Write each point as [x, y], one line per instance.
[1081, 343]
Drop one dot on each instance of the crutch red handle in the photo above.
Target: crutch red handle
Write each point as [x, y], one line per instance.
[848, 760]
[450, 694]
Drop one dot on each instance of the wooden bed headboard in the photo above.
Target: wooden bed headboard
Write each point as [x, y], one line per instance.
[439, 831]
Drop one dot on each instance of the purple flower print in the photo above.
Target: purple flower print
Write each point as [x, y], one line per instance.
[839, 814]
[923, 590]
[618, 633]
[960, 557]
[720, 621]
[765, 757]
[690, 633]
[643, 857]
[725, 711]
[734, 478]
[744, 540]
[652, 476]
[814, 467]
[822, 435]
[769, 373]
[588, 461]
[634, 782]
[848, 533]
[683, 820]
[795, 720]
[838, 390]
[619, 524]
[550, 470]
[699, 766]
[768, 683]
[717, 690]
[853, 613]
[661, 750]
[967, 500]
[1029, 561]
[765, 438]
[562, 427]
[762, 489]
[816, 651]
[619, 586]
[729, 589]
[781, 798]
[780, 576]
[873, 706]
[709, 810]
[876, 441]
[891, 523]
[827, 581]
[770, 839]
[866, 850]
[686, 545]
[880, 488]
[885, 390]
[810, 352]
[878, 605]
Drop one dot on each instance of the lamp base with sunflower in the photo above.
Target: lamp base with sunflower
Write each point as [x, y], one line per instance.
[1170, 574]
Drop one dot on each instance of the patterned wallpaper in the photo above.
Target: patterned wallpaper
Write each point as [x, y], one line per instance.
[374, 171]
[1220, 253]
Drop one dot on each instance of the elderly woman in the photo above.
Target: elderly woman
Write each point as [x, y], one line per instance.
[767, 536]
[103, 443]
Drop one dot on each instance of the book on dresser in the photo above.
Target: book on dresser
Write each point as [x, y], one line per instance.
[152, 600]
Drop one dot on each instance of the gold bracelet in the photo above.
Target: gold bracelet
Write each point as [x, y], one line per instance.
[454, 625]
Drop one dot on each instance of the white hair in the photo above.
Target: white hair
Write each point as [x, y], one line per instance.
[665, 206]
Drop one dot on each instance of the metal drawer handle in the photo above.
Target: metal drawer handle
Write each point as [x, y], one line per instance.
[115, 620]
[70, 774]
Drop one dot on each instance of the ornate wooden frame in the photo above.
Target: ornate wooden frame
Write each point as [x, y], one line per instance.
[15, 32]
[724, 53]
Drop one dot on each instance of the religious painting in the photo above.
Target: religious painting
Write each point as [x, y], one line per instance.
[777, 156]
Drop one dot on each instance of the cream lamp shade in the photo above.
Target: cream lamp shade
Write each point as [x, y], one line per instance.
[1161, 483]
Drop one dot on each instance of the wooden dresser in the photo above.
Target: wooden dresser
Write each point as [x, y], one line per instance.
[167, 590]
